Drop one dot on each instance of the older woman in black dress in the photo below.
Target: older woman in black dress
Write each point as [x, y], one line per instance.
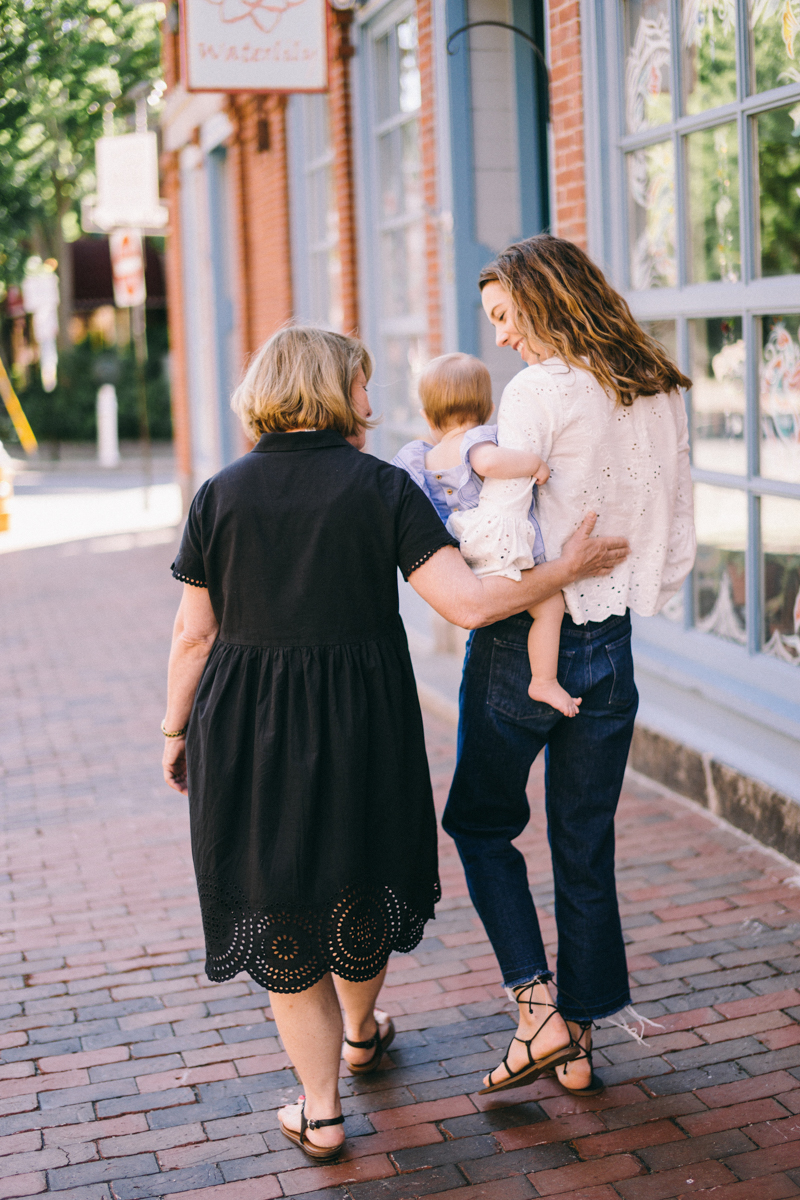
[292, 718]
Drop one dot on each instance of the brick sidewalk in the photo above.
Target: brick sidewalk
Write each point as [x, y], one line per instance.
[126, 1074]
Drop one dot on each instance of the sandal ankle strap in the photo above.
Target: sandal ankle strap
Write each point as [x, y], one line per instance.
[325, 1121]
[365, 1045]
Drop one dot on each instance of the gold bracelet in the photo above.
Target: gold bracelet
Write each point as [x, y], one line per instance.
[175, 733]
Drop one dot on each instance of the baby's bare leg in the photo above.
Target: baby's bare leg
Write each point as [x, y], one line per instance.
[543, 642]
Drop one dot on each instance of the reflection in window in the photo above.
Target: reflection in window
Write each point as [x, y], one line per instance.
[719, 581]
[774, 25]
[647, 63]
[718, 395]
[778, 138]
[713, 167]
[322, 231]
[708, 38]
[780, 398]
[400, 270]
[651, 189]
[665, 333]
[780, 540]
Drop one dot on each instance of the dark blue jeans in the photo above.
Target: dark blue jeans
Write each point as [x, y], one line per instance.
[501, 731]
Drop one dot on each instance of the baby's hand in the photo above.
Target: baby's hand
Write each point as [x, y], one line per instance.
[542, 474]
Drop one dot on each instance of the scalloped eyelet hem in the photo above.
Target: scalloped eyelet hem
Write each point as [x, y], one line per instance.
[424, 559]
[192, 582]
[288, 950]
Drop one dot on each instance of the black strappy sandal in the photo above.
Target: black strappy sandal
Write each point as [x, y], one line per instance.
[534, 1066]
[596, 1084]
[320, 1153]
[381, 1044]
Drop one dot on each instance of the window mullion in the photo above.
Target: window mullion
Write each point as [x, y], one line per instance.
[754, 575]
[677, 143]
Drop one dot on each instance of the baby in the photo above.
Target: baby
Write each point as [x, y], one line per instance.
[456, 394]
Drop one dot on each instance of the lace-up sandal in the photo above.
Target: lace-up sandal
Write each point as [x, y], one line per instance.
[595, 1084]
[320, 1153]
[534, 1066]
[381, 1044]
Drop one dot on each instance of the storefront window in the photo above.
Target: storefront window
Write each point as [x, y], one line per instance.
[719, 574]
[708, 43]
[718, 395]
[398, 270]
[779, 399]
[713, 168]
[777, 136]
[319, 299]
[780, 539]
[647, 64]
[651, 188]
[713, 253]
[774, 26]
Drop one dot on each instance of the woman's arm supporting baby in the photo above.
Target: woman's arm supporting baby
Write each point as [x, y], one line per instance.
[498, 462]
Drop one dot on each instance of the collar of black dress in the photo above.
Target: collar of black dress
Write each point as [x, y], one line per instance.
[302, 439]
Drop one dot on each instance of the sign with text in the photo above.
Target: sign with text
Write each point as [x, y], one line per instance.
[127, 267]
[255, 45]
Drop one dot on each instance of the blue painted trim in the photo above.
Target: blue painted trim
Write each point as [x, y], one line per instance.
[531, 127]
[223, 303]
[469, 254]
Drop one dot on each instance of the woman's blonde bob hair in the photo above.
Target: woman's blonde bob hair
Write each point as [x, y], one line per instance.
[301, 378]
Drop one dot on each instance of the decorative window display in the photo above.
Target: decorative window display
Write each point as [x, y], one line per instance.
[709, 156]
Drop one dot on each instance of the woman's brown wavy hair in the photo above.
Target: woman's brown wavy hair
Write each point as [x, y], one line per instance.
[562, 299]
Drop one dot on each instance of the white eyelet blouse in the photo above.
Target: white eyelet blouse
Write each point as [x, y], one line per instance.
[629, 465]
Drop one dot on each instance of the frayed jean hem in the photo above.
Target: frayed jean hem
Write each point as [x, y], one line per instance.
[588, 1012]
[528, 977]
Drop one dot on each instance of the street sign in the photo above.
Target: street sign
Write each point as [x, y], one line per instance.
[127, 267]
[40, 294]
[127, 183]
[254, 45]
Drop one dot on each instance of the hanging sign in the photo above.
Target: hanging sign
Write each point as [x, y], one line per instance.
[127, 183]
[254, 45]
[127, 267]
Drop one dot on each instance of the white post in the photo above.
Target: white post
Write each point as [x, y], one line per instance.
[107, 427]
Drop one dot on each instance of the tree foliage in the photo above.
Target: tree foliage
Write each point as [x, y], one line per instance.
[61, 62]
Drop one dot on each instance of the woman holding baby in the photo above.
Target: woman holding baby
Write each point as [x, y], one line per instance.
[598, 401]
[292, 717]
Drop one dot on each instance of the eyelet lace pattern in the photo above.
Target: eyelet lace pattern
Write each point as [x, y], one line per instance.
[185, 579]
[428, 554]
[287, 950]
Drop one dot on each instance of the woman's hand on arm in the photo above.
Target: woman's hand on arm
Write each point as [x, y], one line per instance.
[499, 462]
[193, 635]
[449, 586]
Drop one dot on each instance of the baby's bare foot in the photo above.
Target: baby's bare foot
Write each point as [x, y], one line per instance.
[550, 691]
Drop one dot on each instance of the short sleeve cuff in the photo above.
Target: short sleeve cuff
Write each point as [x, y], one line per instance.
[186, 573]
[409, 568]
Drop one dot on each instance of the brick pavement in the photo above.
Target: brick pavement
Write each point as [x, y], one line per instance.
[125, 1074]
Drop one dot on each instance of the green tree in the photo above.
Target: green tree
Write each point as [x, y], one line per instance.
[61, 63]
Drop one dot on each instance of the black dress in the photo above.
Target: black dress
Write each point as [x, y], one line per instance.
[312, 821]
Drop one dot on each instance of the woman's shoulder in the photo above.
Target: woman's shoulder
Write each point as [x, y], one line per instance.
[542, 381]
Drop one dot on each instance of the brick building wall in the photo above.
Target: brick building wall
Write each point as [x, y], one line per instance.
[260, 203]
[340, 54]
[566, 105]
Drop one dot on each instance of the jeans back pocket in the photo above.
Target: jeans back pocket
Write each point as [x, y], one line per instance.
[623, 689]
[509, 679]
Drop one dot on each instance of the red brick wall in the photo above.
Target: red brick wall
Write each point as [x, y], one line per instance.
[567, 118]
[179, 392]
[340, 53]
[260, 190]
[428, 152]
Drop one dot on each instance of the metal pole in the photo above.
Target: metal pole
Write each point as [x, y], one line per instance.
[140, 349]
